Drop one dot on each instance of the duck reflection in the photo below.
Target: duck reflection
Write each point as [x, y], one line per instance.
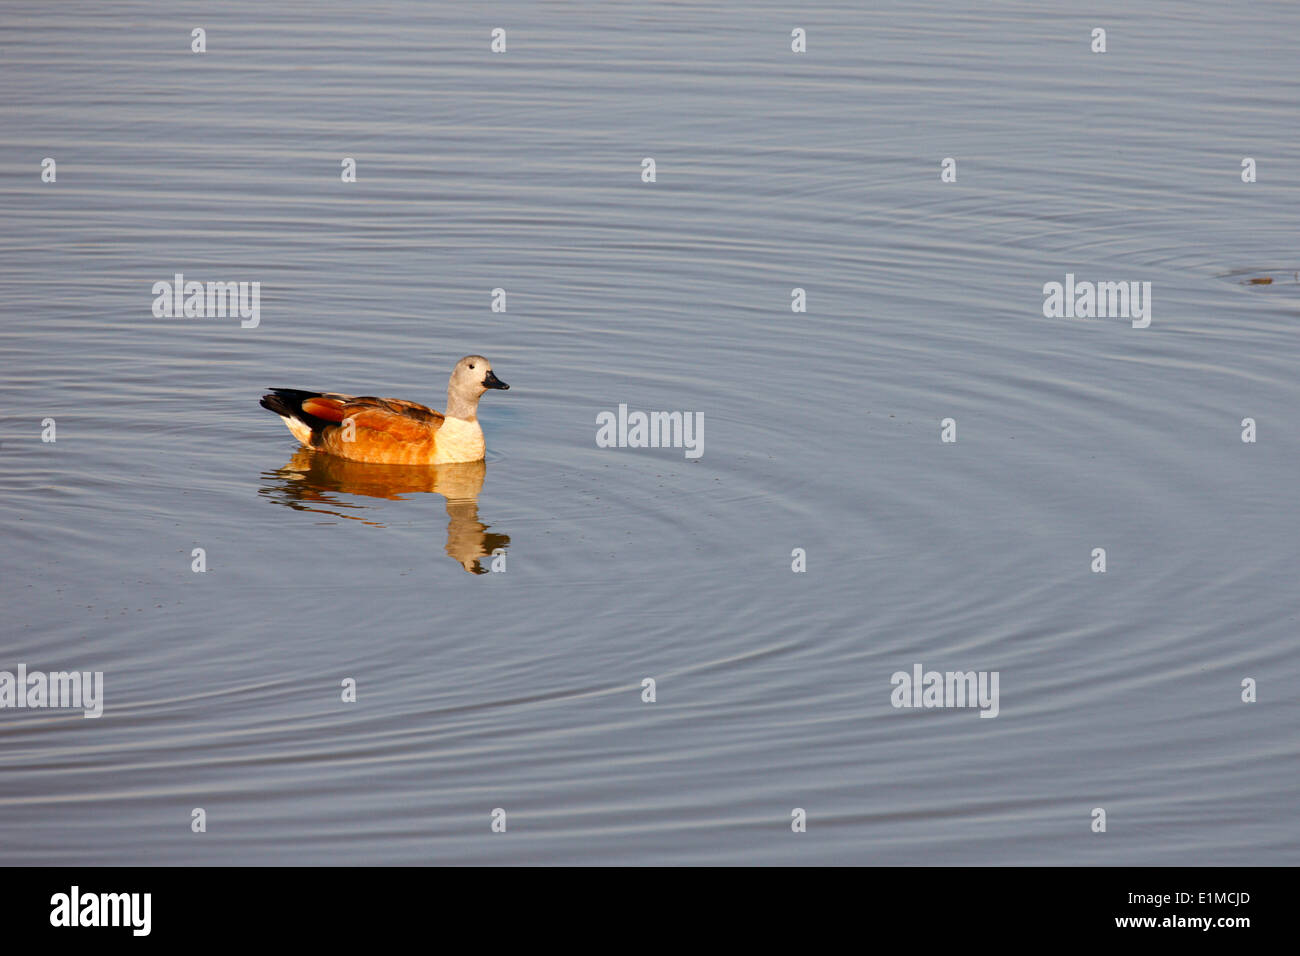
[312, 481]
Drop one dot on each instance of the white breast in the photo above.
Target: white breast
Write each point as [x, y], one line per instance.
[458, 440]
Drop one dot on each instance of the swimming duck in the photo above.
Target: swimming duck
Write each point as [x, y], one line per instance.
[392, 431]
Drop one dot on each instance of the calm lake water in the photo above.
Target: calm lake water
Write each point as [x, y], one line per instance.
[522, 689]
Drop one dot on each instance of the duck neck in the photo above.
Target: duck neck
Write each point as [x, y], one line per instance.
[458, 406]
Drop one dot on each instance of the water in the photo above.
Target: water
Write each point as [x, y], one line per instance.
[522, 690]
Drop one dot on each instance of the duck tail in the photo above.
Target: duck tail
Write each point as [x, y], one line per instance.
[287, 403]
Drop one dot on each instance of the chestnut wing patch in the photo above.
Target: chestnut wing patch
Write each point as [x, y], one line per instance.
[329, 409]
[395, 418]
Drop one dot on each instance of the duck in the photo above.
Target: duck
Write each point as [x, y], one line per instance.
[392, 431]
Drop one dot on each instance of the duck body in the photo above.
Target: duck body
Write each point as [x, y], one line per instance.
[391, 431]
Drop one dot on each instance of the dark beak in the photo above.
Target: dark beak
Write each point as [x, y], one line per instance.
[493, 382]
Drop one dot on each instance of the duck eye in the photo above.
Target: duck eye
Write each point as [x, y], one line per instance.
[471, 366]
